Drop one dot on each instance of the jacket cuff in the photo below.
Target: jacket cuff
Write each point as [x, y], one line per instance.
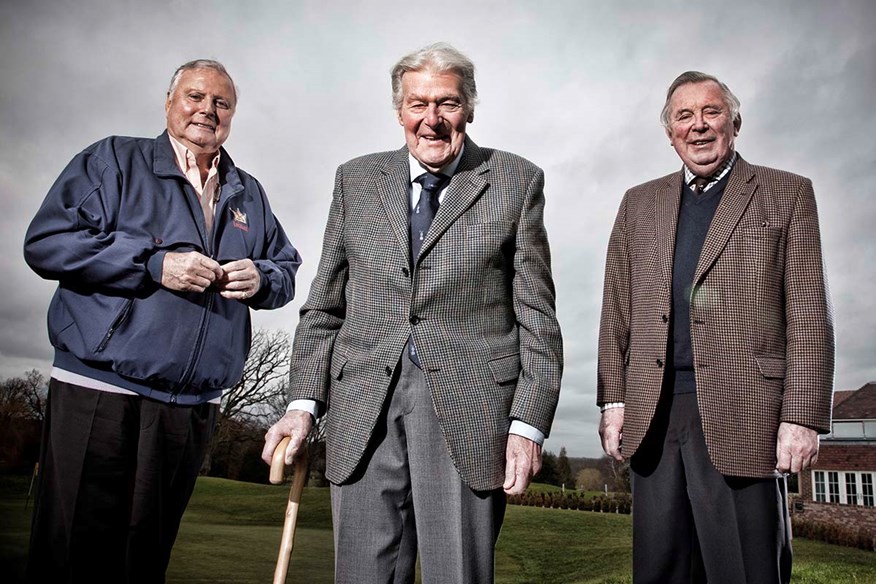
[155, 266]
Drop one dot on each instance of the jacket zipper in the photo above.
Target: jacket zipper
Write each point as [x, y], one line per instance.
[117, 321]
[208, 305]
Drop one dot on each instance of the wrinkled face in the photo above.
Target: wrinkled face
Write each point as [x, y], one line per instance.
[200, 109]
[701, 128]
[433, 114]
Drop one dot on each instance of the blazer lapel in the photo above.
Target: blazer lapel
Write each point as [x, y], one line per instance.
[393, 186]
[668, 201]
[740, 188]
[467, 184]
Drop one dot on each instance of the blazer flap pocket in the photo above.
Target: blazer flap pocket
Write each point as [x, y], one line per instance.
[505, 369]
[337, 366]
[771, 367]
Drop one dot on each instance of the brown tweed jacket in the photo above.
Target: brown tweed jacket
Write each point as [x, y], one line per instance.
[761, 323]
[479, 302]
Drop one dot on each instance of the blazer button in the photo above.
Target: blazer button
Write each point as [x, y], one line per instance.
[406, 272]
[388, 371]
[664, 318]
[415, 320]
[659, 362]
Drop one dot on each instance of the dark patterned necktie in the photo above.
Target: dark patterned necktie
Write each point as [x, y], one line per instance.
[422, 215]
[423, 212]
[698, 184]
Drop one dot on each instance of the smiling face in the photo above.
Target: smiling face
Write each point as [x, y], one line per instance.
[200, 109]
[433, 114]
[701, 127]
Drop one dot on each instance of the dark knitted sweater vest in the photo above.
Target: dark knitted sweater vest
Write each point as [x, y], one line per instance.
[694, 218]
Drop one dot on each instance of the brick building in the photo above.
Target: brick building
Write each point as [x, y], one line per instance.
[840, 488]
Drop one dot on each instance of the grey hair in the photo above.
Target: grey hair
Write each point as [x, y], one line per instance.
[730, 100]
[200, 64]
[439, 58]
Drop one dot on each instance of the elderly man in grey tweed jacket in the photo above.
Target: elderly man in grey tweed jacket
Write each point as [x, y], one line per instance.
[429, 340]
[716, 350]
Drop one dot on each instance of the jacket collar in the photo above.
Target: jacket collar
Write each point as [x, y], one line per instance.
[741, 186]
[466, 185]
[164, 165]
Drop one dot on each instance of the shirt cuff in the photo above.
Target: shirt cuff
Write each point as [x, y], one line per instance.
[305, 405]
[611, 406]
[527, 431]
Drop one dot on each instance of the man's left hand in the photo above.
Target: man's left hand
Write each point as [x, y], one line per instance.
[796, 448]
[522, 462]
[240, 280]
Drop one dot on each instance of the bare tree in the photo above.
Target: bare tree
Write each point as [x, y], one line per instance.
[22, 409]
[246, 406]
[23, 397]
[264, 377]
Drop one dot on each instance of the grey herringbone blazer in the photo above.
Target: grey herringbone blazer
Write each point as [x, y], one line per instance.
[761, 323]
[479, 302]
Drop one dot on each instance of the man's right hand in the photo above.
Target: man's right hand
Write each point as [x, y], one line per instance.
[611, 430]
[296, 424]
[189, 271]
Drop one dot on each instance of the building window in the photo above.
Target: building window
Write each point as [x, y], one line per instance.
[848, 488]
[833, 489]
[819, 486]
[867, 489]
[848, 429]
[851, 489]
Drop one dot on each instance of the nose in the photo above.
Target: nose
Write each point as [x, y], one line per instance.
[699, 123]
[208, 108]
[432, 118]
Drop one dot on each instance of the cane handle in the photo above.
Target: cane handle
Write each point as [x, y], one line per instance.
[278, 463]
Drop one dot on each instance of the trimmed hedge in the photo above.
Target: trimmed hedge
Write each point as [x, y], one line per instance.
[860, 537]
[618, 503]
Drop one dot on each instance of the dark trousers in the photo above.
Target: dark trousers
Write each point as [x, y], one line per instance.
[408, 497]
[690, 523]
[116, 473]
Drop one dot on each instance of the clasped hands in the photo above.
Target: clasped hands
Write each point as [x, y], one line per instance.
[194, 272]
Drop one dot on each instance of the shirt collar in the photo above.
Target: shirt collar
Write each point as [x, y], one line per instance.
[716, 176]
[185, 158]
[448, 170]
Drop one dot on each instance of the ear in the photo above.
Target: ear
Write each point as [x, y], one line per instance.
[167, 103]
[398, 113]
[470, 117]
[737, 123]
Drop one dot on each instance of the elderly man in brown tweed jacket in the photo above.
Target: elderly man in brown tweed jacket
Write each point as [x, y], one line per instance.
[429, 338]
[716, 350]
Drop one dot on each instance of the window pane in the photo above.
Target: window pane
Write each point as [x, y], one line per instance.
[819, 486]
[867, 488]
[833, 486]
[848, 430]
[851, 488]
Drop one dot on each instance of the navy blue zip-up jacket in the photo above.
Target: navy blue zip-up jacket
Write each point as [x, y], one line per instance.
[103, 231]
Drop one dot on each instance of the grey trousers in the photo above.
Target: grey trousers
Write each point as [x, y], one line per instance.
[407, 496]
[691, 524]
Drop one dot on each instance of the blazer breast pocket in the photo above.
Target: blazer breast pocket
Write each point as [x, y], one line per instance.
[490, 244]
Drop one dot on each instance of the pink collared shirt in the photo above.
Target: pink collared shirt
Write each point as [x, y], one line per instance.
[209, 190]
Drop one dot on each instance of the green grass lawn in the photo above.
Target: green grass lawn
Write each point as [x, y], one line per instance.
[231, 533]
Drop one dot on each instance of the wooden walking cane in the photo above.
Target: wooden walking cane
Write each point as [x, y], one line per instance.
[278, 466]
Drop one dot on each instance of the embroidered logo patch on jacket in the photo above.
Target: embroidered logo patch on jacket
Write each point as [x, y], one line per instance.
[239, 219]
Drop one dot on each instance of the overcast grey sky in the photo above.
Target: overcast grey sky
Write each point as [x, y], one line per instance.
[575, 86]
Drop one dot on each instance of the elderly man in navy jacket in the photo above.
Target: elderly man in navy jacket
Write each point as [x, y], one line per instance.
[160, 248]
